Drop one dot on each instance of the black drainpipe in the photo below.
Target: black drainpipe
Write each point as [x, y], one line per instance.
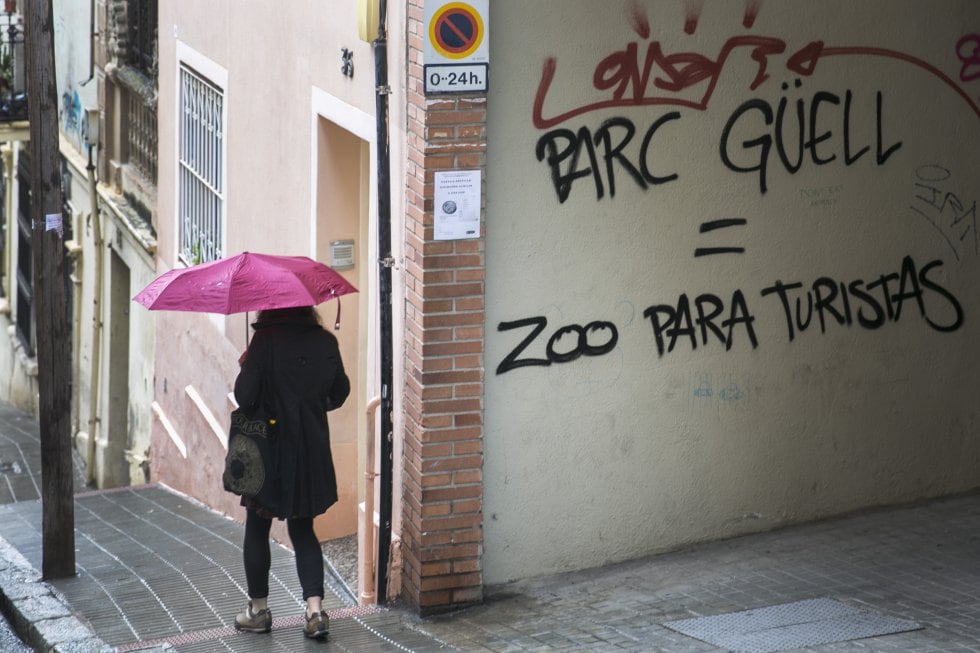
[385, 263]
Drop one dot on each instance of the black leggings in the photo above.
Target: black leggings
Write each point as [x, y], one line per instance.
[258, 558]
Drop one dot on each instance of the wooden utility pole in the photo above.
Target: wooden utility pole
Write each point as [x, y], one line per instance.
[50, 296]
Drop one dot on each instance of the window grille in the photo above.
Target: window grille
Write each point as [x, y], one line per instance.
[143, 36]
[25, 259]
[13, 70]
[141, 134]
[201, 172]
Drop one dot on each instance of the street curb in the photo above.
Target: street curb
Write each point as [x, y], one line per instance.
[38, 612]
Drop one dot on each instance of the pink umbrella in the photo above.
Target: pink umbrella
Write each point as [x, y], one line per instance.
[242, 283]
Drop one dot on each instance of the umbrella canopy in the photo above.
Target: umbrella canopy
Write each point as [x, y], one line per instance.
[245, 282]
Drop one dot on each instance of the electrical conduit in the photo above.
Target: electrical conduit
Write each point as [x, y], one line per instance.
[366, 552]
[93, 410]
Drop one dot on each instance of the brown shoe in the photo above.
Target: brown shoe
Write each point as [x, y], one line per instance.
[254, 622]
[317, 625]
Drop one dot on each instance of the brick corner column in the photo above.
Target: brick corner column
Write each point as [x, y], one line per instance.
[442, 519]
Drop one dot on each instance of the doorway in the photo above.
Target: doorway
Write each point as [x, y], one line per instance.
[115, 467]
[342, 229]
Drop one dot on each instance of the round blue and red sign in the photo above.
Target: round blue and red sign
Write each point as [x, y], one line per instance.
[456, 30]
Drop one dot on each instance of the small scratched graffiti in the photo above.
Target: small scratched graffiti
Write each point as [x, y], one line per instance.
[822, 196]
[705, 390]
[708, 320]
[954, 218]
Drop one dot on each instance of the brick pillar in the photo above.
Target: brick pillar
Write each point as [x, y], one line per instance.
[442, 526]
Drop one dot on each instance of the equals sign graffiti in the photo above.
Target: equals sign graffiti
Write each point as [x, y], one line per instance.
[712, 225]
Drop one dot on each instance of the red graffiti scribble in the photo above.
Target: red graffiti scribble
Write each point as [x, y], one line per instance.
[693, 16]
[639, 20]
[907, 58]
[632, 80]
[968, 50]
[751, 13]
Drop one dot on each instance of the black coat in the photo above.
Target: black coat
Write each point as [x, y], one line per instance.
[297, 367]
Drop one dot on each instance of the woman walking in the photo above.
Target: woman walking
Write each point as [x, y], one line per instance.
[294, 366]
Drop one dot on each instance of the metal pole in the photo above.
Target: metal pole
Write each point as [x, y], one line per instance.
[385, 263]
[91, 476]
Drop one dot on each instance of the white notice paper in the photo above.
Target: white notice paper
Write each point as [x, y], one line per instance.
[456, 213]
[52, 222]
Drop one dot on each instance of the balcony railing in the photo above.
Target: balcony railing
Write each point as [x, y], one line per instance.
[141, 136]
[13, 66]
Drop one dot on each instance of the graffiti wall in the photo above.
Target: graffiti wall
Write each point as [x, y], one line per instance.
[75, 79]
[732, 257]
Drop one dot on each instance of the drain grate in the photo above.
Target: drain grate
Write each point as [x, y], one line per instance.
[790, 626]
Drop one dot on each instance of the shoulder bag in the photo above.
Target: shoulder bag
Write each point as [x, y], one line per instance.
[249, 468]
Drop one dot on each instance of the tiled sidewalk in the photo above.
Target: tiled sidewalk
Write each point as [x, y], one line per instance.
[158, 571]
[20, 457]
[920, 563]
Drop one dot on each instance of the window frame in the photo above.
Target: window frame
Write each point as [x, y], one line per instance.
[142, 27]
[215, 78]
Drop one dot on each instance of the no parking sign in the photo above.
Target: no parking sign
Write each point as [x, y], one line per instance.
[457, 47]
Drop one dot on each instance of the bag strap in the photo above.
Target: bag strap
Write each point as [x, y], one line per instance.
[267, 389]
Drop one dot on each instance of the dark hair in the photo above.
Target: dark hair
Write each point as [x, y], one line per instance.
[302, 314]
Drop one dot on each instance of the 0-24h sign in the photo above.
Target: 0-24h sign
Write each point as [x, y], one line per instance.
[457, 47]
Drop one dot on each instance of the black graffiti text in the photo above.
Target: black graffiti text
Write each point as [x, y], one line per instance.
[604, 151]
[673, 322]
[797, 138]
[870, 304]
[565, 345]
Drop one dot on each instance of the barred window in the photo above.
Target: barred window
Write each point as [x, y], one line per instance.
[201, 182]
[143, 36]
[26, 325]
[141, 136]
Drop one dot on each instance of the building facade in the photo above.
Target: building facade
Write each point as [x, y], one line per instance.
[719, 282]
[724, 281]
[105, 73]
[268, 143]
[730, 252]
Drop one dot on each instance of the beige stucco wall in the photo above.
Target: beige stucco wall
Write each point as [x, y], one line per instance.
[133, 248]
[631, 451]
[119, 456]
[273, 57]
[115, 413]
